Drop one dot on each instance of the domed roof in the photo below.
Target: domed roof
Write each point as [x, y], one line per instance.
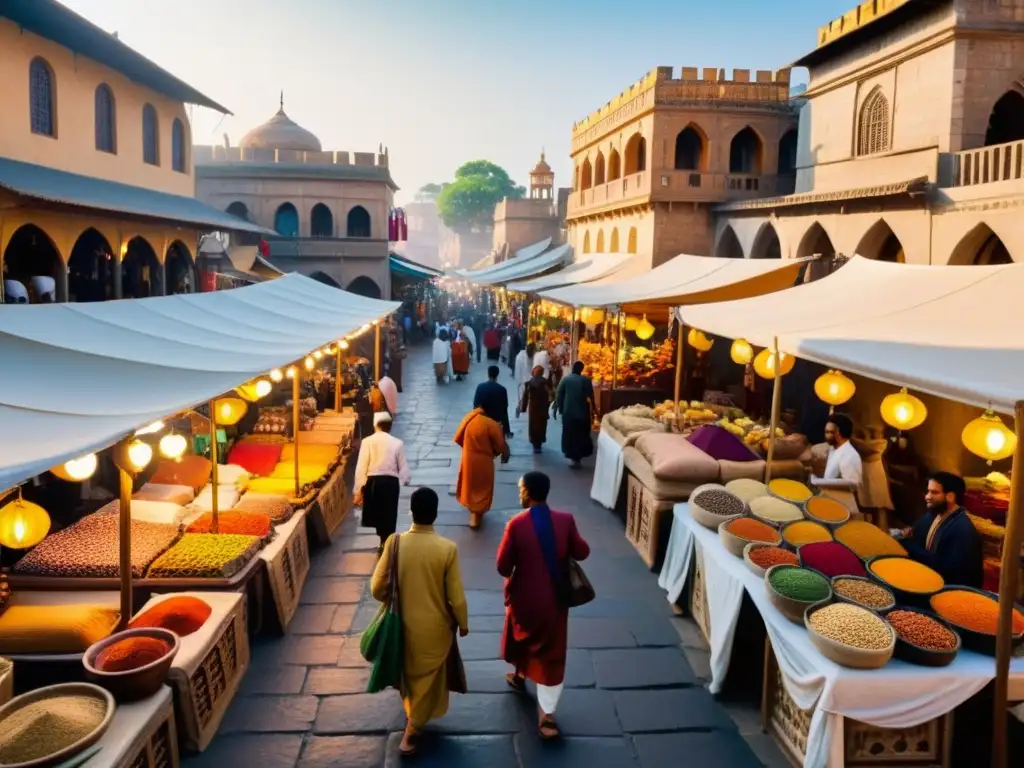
[280, 132]
[541, 167]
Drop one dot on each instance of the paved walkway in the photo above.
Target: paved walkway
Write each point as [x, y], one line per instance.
[632, 699]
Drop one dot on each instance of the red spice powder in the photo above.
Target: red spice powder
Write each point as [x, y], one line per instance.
[182, 615]
[753, 530]
[131, 653]
[245, 523]
[832, 559]
[766, 557]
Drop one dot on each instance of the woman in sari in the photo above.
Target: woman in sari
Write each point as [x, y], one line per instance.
[481, 439]
[536, 401]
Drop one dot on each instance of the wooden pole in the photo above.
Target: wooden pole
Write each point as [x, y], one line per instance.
[296, 389]
[215, 509]
[679, 368]
[773, 423]
[574, 337]
[337, 380]
[377, 351]
[1012, 539]
[615, 349]
[125, 548]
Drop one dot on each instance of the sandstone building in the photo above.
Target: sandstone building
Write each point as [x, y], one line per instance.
[537, 217]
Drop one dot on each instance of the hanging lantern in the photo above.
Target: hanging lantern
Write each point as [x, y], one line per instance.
[699, 341]
[330, 350]
[318, 355]
[764, 363]
[229, 410]
[741, 352]
[834, 388]
[644, 330]
[77, 470]
[263, 388]
[276, 375]
[150, 429]
[903, 411]
[292, 370]
[172, 446]
[23, 524]
[139, 455]
[989, 438]
[309, 363]
[254, 390]
[343, 344]
[632, 322]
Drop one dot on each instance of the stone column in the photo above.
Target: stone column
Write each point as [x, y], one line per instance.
[62, 283]
[115, 264]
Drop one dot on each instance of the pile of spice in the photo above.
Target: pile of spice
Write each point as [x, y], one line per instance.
[799, 584]
[973, 611]
[789, 490]
[131, 653]
[805, 532]
[867, 593]
[718, 501]
[48, 725]
[827, 510]
[766, 557]
[775, 510]
[181, 614]
[852, 625]
[831, 558]
[747, 489]
[868, 540]
[907, 575]
[752, 530]
[921, 630]
[232, 521]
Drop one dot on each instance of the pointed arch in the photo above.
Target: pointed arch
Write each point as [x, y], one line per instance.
[323, 277]
[691, 145]
[321, 221]
[766, 243]
[586, 242]
[286, 220]
[31, 253]
[599, 169]
[746, 152]
[179, 147]
[105, 119]
[239, 209]
[42, 86]
[981, 246]
[787, 153]
[613, 245]
[636, 155]
[358, 222]
[180, 269]
[881, 244]
[91, 268]
[729, 246]
[364, 286]
[588, 175]
[873, 124]
[1006, 121]
[815, 242]
[631, 241]
[600, 241]
[141, 271]
[614, 165]
[150, 135]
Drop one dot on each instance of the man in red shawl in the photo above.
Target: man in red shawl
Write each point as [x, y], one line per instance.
[532, 553]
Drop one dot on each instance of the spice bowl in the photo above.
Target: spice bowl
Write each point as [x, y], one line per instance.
[846, 654]
[140, 682]
[971, 638]
[42, 698]
[794, 533]
[827, 511]
[756, 569]
[792, 608]
[735, 544]
[904, 595]
[840, 597]
[914, 653]
[717, 500]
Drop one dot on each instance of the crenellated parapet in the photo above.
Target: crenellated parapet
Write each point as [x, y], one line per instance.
[853, 19]
[212, 154]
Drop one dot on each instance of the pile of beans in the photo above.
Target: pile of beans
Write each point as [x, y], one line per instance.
[800, 584]
[851, 625]
[753, 530]
[766, 557]
[921, 630]
[805, 532]
[775, 510]
[718, 501]
[826, 509]
[867, 593]
[908, 575]
[973, 611]
[868, 540]
[831, 558]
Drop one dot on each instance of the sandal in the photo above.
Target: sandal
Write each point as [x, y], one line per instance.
[547, 728]
[516, 683]
[410, 735]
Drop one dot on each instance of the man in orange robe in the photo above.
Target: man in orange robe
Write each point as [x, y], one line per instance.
[481, 439]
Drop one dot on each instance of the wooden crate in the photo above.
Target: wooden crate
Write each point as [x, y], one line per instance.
[142, 735]
[329, 508]
[648, 521]
[287, 567]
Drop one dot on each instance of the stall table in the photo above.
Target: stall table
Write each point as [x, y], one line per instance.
[141, 735]
[826, 713]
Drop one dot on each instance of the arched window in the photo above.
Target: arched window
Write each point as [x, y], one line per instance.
[576, 180]
[106, 120]
[1006, 123]
[286, 220]
[613, 246]
[787, 153]
[150, 136]
[614, 165]
[358, 224]
[42, 90]
[239, 209]
[745, 152]
[178, 158]
[636, 155]
[600, 241]
[873, 130]
[599, 169]
[586, 242]
[587, 180]
[689, 149]
[631, 241]
[321, 221]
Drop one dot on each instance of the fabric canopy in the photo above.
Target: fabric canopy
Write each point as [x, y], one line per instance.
[77, 377]
[595, 268]
[684, 280]
[521, 270]
[950, 331]
[520, 256]
[412, 269]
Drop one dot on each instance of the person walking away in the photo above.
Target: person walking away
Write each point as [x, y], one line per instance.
[380, 469]
[478, 335]
[432, 603]
[493, 398]
[481, 439]
[535, 403]
[407, 328]
[441, 355]
[492, 342]
[515, 346]
[531, 556]
[542, 358]
[470, 335]
[389, 390]
[575, 401]
[460, 358]
[523, 372]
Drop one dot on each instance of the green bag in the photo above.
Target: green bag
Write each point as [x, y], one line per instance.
[381, 643]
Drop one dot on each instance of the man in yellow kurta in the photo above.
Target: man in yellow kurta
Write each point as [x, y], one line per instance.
[481, 439]
[431, 604]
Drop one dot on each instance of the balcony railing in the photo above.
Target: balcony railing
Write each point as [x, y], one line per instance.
[986, 165]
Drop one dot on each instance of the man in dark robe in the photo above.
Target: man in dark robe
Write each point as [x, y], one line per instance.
[575, 401]
[945, 539]
[535, 403]
[493, 398]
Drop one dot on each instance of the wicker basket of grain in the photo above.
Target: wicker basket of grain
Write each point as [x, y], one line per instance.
[49, 725]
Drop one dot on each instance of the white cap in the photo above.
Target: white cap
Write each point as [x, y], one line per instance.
[380, 417]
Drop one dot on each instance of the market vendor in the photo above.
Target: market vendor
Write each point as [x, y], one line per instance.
[844, 470]
[945, 538]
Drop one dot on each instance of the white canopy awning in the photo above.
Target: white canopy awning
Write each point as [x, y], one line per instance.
[520, 256]
[684, 280]
[951, 331]
[77, 377]
[594, 267]
[522, 270]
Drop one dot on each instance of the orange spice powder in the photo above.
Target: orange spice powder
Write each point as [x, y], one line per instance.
[973, 611]
[829, 510]
[752, 530]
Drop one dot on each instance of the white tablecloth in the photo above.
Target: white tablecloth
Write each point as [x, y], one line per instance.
[900, 695]
[608, 467]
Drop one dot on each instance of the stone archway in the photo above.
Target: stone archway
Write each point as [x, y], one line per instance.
[141, 272]
[816, 242]
[91, 268]
[881, 244]
[729, 246]
[179, 268]
[766, 244]
[981, 246]
[1006, 121]
[323, 277]
[32, 254]
[690, 149]
[746, 152]
[364, 286]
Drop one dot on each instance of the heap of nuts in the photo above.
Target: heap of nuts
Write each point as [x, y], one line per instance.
[719, 501]
[921, 630]
[865, 593]
[852, 625]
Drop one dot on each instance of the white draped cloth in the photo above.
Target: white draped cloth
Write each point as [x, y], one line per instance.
[523, 373]
[608, 469]
[900, 695]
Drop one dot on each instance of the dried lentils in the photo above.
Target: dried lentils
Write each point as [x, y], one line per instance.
[921, 630]
[851, 625]
[719, 501]
[866, 593]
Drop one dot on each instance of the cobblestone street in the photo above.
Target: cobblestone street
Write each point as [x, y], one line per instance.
[632, 698]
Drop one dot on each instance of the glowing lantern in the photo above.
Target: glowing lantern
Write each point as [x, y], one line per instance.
[292, 370]
[173, 446]
[263, 388]
[741, 352]
[276, 375]
[229, 410]
[903, 411]
[139, 455]
[77, 470]
[592, 316]
[23, 524]
[317, 355]
[699, 341]
[989, 438]
[764, 363]
[645, 330]
[834, 388]
[632, 323]
[308, 362]
[254, 390]
[330, 351]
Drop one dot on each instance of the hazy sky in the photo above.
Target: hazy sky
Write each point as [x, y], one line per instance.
[444, 81]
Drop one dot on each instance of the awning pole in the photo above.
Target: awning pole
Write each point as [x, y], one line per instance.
[377, 351]
[773, 423]
[125, 547]
[295, 422]
[1012, 539]
[574, 337]
[215, 509]
[337, 380]
[679, 369]
[615, 349]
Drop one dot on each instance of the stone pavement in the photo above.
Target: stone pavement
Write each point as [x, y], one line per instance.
[632, 699]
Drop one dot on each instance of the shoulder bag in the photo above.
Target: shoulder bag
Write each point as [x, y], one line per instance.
[572, 587]
[381, 642]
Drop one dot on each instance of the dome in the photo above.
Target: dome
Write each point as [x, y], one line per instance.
[280, 132]
[541, 167]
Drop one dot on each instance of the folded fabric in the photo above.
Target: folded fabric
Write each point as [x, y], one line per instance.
[311, 452]
[278, 507]
[174, 494]
[163, 512]
[258, 459]
[721, 444]
[673, 457]
[191, 470]
[227, 497]
[205, 555]
[35, 629]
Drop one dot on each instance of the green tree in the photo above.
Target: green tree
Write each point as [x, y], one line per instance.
[468, 202]
[429, 192]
